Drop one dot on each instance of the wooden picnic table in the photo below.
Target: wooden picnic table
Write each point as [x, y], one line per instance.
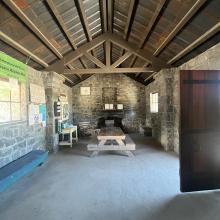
[106, 142]
[111, 133]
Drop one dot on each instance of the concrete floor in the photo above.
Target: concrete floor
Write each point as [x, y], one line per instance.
[73, 186]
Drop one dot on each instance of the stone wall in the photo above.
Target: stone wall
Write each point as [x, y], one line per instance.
[18, 138]
[54, 87]
[162, 122]
[129, 93]
[167, 84]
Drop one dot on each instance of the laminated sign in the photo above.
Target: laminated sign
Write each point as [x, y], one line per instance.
[12, 68]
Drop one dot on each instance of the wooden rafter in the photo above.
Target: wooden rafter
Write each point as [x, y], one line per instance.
[84, 49]
[12, 5]
[74, 55]
[22, 49]
[150, 76]
[103, 12]
[63, 26]
[139, 74]
[67, 79]
[110, 12]
[94, 60]
[151, 23]
[107, 70]
[121, 59]
[149, 28]
[131, 13]
[215, 29]
[143, 54]
[180, 25]
[84, 21]
[70, 66]
[61, 23]
[134, 59]
[83, 18]
[108, 52]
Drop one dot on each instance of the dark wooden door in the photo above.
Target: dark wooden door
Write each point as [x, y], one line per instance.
[200, 130]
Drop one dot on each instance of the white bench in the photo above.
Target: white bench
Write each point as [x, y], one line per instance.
[127, 148]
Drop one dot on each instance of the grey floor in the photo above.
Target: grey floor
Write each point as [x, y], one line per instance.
[73, 186]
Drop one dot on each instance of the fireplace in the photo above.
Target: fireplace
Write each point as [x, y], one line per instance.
[117, 121]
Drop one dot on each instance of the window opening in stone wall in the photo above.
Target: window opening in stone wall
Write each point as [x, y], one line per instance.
[154, 102]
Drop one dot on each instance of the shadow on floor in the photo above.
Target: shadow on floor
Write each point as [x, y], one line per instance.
[202, 205]
[143, 143]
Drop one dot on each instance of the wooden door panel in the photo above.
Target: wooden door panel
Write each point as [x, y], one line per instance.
[200, 130]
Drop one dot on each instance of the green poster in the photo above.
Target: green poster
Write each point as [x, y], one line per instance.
[12, 68]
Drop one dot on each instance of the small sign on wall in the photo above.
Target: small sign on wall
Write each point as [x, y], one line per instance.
[120, 106]
[109, 106]
[34, 114]
[85, 90]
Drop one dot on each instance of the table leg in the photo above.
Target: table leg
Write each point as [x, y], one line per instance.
[101, 143]
[76, 135]
[71, 139]
[120, 142]
[94, 153]
[128, 153]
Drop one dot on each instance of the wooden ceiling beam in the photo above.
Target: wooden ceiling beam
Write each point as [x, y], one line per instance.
[94, 60]
[130, 19]
[108, 53]
[151, 23]
[110, 15]
[215, 29]
[150, 76]
[22, 49]
[131, 13]
[67, 79]
[74, 55]
[103, 12]
[121, 59]
[104, 19]
[83, 19]
[61, 23]
[12, 5]
[134, 58]
[138, 74]
[70, 66]
[143, 54]
[180, 25]
[149, 27]
[107, 70]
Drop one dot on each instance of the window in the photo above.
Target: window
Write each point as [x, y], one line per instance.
[10, 100]
[109, 106]
[154, 102]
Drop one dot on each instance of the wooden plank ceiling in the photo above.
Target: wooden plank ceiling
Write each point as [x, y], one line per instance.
[78, 38]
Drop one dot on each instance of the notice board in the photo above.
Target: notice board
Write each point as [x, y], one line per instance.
[37, 94]
[12, 68]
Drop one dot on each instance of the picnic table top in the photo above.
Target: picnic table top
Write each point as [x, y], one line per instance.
[111, 132]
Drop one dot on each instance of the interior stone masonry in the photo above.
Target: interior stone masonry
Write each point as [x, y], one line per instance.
[128, 92]
[165, 123]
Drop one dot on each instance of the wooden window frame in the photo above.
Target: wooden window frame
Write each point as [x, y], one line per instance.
[11, 102]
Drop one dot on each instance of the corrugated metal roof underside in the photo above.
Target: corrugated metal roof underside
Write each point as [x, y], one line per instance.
[41, 16]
